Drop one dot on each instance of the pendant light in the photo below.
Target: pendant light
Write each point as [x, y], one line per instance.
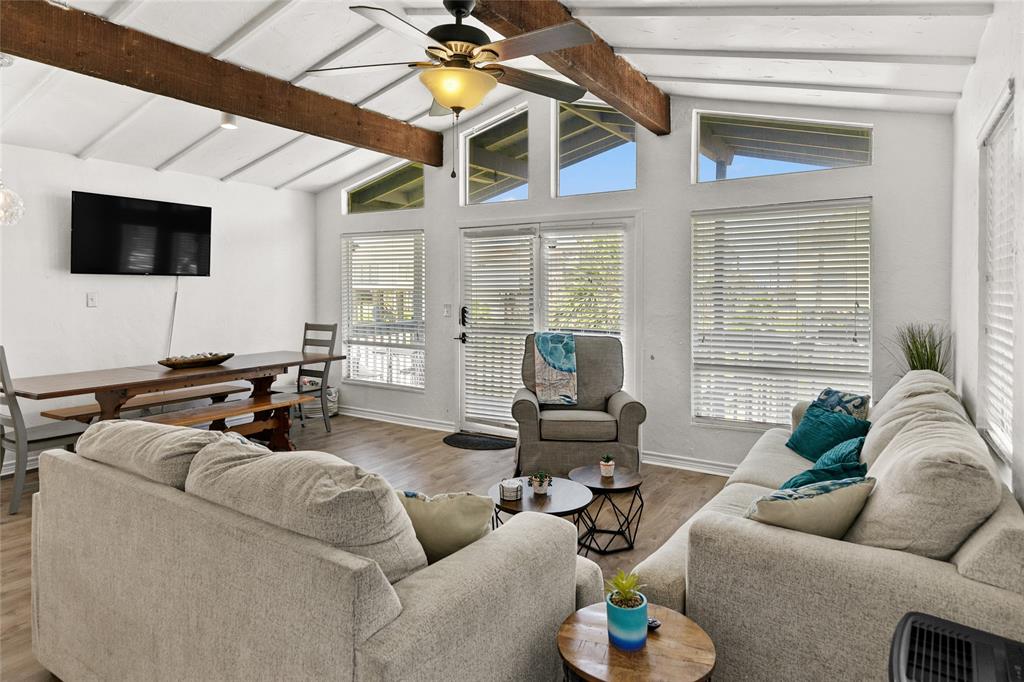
[11, 206]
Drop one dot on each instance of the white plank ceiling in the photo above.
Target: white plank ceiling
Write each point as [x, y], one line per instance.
[876, 54]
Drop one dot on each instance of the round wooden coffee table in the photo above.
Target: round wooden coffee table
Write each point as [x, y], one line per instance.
[627, 519]
[564, 498]
[679, 650]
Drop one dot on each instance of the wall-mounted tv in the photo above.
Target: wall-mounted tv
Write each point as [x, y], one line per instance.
[126, 236]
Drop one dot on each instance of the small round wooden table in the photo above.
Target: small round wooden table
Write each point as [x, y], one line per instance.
[564, 498]
[627, 519]
[678, 651]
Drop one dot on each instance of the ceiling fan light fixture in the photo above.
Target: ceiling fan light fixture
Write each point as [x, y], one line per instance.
[458, 88]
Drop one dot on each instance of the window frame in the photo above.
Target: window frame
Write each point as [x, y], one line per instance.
[750, 424]
[556, 144]
[345, 281]
[482, 127]
[1004, 106]
[347, 191]
[695, 142]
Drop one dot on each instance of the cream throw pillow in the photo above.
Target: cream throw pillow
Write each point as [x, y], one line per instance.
[827, 508]
[445, 524]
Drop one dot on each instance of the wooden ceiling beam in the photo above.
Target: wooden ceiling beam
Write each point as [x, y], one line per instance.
[595, 66]
[85, 43]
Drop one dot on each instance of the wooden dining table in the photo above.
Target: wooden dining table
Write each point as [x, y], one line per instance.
[112, 388]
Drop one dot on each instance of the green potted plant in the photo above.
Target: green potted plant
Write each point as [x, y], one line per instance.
[608, 466]
[540, 482]
[627, 612]
[923, 346]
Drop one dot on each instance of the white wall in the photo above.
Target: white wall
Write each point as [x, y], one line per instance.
[1000, 57]
[259, 294]
[910, 181]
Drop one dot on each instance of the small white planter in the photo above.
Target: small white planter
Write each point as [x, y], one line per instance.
[607, 469]
[541, 489]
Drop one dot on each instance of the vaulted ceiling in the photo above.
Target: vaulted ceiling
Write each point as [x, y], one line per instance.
[877, 54]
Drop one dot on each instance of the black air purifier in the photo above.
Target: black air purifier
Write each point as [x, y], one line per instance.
[930, 649]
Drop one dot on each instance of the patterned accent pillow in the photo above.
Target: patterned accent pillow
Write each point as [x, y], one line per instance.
[850, 403]
[827, 508]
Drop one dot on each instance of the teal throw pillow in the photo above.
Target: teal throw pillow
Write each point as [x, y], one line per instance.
[834, 472]
[847, 451]
[821, 430]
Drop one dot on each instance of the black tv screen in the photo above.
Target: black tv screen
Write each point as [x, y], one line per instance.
[126, 236]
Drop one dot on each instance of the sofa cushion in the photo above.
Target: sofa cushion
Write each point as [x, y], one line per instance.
[158, 452]
[587, 425]
[599, 370]
[927, 406]
[935, 487]
[664, 571]
[826, 508]
[313, 494]
[446, 523]
[821, 430]
[769, 461]
[912, 384]
[994, 554]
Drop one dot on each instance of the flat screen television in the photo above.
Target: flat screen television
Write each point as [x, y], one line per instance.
[126, 236]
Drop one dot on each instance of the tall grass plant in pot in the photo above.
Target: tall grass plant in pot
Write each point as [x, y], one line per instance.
[627, 612]
[923, 346]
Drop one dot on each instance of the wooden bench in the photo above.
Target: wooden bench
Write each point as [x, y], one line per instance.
[271, 417]
[87, 412]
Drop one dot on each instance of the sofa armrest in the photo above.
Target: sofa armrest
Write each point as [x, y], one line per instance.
[487, 612]
[630, 414]
[777, 601]
[589, 583]
[526, 412]
[798, 412]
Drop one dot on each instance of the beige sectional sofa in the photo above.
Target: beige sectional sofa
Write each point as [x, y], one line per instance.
[780, 604]
[136, 579]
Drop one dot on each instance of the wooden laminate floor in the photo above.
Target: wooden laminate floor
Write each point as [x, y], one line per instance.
[410, 459]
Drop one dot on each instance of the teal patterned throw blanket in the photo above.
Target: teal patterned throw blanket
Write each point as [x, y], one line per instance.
[554, 358]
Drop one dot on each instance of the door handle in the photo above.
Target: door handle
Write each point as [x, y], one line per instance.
[463, 315]
[461, 338]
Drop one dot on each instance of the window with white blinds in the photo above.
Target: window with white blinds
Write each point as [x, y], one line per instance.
[584, 281]
[781, 307]
[999, 173]
[383, 307]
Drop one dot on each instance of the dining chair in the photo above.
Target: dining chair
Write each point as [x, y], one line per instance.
[317, 338]
[15, 436]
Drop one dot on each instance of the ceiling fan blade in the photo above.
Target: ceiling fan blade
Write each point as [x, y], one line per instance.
[398, 25]
[437, 110]
[531, 82]
[363, 68]
[558, 37]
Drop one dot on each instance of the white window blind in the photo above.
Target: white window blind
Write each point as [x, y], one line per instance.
[999, 172]
[383, 307]
[781, 307]
[498, 293]
[584, 281]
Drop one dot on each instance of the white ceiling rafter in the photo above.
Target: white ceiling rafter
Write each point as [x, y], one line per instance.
[844, 9]
[827, 87]
[39, 86]
[181, 154]
[866, 58]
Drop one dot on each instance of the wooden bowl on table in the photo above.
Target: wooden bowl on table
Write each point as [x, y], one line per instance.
[198, 360]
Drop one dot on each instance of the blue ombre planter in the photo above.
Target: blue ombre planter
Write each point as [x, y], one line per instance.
[627, 628]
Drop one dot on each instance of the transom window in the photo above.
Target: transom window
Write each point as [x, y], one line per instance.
[596, 150]
[1000, 171]
[498, 161]
[732, 146]
[383, 305]
[399, 188]
[781, 307]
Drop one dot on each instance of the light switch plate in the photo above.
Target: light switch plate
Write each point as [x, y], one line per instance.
[446, 310]
[90, 299]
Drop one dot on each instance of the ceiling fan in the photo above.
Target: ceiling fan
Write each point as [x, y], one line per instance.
[463, 64]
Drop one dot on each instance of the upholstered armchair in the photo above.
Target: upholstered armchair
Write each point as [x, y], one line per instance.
[605, 420]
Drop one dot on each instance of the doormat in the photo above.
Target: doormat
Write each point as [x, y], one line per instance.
[478, 441]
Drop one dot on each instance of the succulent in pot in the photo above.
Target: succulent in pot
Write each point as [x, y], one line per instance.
[540, 482]
[627, 612]
[608, 466]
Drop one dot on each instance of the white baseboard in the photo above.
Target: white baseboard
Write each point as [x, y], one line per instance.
[405, 420]
[703, 466]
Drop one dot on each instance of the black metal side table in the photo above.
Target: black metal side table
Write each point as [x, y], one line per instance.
[595, 538]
